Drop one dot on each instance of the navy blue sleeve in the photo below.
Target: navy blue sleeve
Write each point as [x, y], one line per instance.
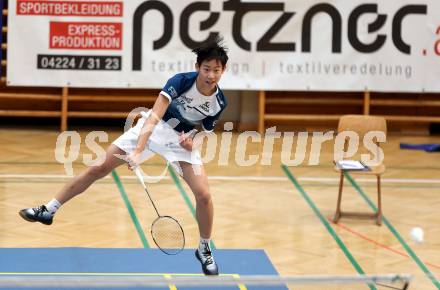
[173, 87]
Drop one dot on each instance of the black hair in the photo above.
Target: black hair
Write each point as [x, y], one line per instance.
[213, 48]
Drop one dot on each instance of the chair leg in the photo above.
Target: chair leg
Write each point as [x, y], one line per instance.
[379, 202]
[338, 205]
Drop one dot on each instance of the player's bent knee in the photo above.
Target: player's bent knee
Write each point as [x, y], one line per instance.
[204, 199]
[99, 171]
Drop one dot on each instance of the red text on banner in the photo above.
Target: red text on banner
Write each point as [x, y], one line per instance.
[85, 35]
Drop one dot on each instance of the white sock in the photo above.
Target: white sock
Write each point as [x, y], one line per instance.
[204, 243]
[52, 206]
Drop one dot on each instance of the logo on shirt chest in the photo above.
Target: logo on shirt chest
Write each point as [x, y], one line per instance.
[183, 99]
[205, 106]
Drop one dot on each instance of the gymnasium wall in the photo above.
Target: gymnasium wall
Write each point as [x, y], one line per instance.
[305, 105]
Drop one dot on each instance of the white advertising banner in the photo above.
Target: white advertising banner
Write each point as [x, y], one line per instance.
[336, 45]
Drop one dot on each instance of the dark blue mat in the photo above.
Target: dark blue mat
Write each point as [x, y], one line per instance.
[86, 261]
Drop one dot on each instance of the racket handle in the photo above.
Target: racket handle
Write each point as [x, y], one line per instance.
[192, 133]
[139, 175]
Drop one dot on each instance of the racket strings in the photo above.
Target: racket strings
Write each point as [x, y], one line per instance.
[168, 235]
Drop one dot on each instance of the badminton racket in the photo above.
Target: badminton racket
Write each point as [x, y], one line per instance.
[166, 231]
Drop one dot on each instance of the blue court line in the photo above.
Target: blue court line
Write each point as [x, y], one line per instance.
[325, 223]
[186, 197]
[410, 252]
[130, 210]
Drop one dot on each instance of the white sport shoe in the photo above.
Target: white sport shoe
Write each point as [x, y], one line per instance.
[205, 257]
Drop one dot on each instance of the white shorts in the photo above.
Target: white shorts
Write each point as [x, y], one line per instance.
[164, 141]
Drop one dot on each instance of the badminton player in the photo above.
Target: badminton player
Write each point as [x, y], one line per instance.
[194, 100]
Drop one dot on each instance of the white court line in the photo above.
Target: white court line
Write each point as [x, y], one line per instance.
[239, 178]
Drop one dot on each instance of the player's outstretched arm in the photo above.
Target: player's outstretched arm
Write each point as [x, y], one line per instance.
[159, 108]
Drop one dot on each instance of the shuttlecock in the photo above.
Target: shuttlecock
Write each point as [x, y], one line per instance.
[417, 235]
